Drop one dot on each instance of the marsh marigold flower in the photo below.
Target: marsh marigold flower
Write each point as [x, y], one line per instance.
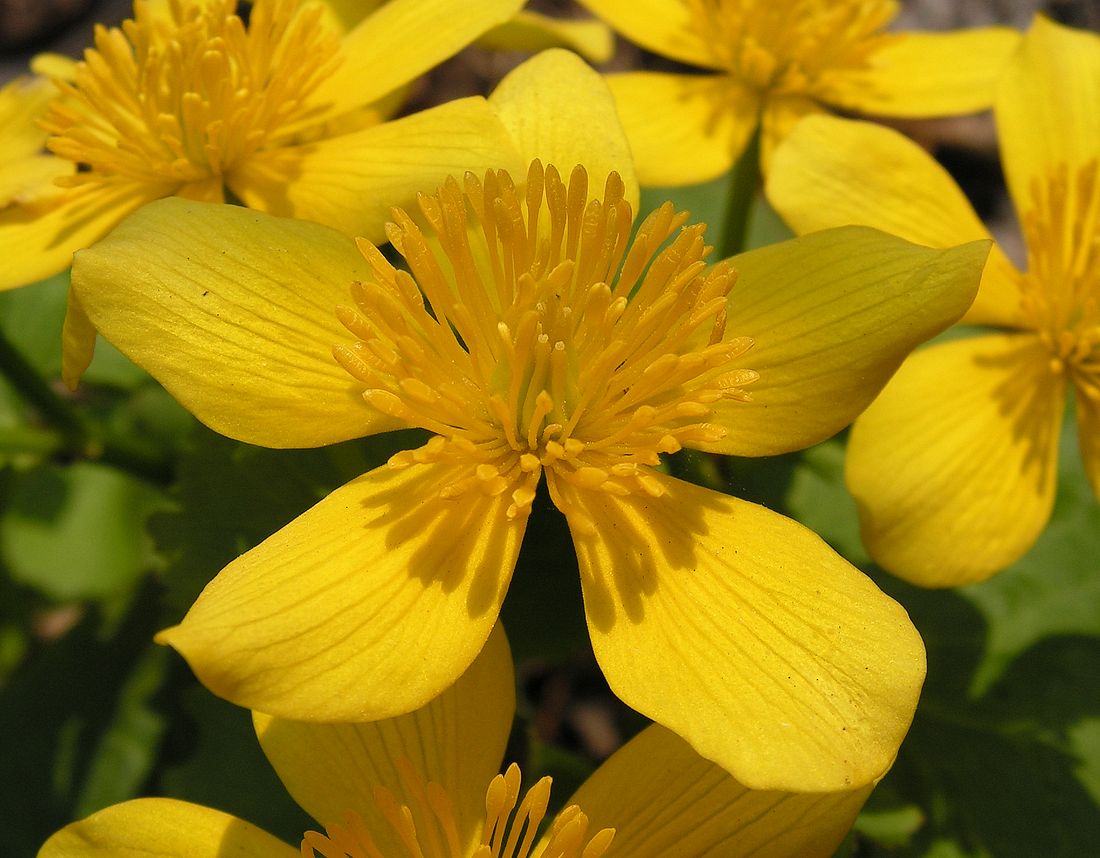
[426, 785]
[954, 466]
[769, 64]
[538, 343]
[186, 99]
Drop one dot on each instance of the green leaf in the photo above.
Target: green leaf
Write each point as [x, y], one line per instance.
[231, 496]
[215, 760]
[124, 755]
[817, 498]
[33, 317]
[78, 723]
[78, 532]
[1055, 588]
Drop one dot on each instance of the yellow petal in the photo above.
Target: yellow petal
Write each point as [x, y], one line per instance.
[1046, 106]
[1088, 434]
[832, 315]
[400, 41]
[22, 102]
[665, 801]
[163, 828]
[831, 172]
[683, 129]
[530, 32]
[928, 74]
[77, 342]
[366, 606]
[351, 182]
[953, 466]
[457, 741]
[560, 111]
[744, 633]
[664, 26]
[36, 243]
[233, 311]
[30, 180]
[781, 115]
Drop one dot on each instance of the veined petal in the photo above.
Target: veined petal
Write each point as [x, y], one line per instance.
[163, 828]
[37, 241]
[351, 182]
[743, 632]
[1088, 435]
[781, 115]
[78, 336]
[683, 129]
[664, 26]
[530, 32]
[832, 315]
[30, 179]
[400, 41]
[954, 465]
[557, 109]
[234, 312]
[364, 607]
[457, 741]
[831, 172]
[928, 74]
[665, 801]
[1046, 106]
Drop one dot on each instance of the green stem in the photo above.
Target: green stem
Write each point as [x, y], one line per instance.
[27, 439]
[72, 434]
[744, 182]
[39, 394]
[158, 470]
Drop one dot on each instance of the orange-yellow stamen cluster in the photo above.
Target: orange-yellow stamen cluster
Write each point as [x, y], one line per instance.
[425, 826]
[792, 47]
[1062, 285]
[180, 95]
[533, 336]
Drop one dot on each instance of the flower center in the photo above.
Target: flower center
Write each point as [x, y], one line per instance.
[540, 338]
[182, 94]
[425, 825]
[791, 47]
[1061, 289]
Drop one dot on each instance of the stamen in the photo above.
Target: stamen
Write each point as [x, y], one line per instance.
[533, 335]
[180, 97]
[793, 47]
[1061, 289]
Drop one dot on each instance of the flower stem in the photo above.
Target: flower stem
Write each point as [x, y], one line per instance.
[38, 393]
[744, 181]
[71, 434]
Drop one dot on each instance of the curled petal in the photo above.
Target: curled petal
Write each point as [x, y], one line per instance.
[954, 465]
[366, 606]
[743, 632]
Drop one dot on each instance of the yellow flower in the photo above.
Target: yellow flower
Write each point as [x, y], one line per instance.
[425, 785]
[954, 465]
[187, 100]
[772, 63]
[536, 341]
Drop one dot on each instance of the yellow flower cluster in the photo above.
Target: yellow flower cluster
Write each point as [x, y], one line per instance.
[297, 267]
